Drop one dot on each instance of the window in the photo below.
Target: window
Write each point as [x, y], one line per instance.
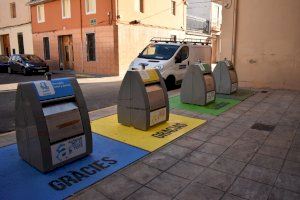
[66, 9]
[40, 13]
[183, 54]
[173, 7]
[20, 43]
[139, 6]
[90, 7]
[159, 51]
[91, 50]
[46, 48]
[13, 13]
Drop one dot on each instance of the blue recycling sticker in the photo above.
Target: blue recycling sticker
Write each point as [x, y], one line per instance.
[52, 89]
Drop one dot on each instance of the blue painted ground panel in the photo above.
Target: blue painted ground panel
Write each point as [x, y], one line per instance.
[18, 180]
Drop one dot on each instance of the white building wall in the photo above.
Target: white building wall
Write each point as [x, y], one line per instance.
[13, 38]
[12, 26]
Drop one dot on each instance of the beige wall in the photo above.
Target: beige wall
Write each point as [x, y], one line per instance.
[267, 46]
[13, 26]
[23, 13]
[156, 13]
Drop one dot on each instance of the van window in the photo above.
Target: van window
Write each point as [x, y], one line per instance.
[159, 51]
[183, 53]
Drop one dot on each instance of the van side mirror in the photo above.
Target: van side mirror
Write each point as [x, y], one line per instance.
[178, 59]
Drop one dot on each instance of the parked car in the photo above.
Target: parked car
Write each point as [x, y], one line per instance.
[172, 58]
[4, 63]
[26, 64]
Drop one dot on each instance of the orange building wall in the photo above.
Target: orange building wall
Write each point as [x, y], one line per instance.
[54, 21]
[105, 35]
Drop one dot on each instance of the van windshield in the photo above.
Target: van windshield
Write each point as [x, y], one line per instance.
[159, 51]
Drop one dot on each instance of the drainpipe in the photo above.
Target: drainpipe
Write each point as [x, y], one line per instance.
[234, 32]
[117, 9]
[81, 38]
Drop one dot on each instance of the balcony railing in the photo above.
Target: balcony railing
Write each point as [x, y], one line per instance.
[198, 24]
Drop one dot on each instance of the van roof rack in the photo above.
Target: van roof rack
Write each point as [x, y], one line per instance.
[182, 41]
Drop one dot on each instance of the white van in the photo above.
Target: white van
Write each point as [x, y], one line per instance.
[172, 57]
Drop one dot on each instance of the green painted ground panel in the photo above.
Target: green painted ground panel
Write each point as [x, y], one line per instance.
[215, 108]
[241, 95]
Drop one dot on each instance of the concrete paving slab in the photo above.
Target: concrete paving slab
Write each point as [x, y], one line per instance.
[225, 141]
[248, 189]
[197, 191]
[160, 161]
[186, 170]
[168, 184]
[141, 172]
[288, 182]
[292, 168]
[273, 151]
[200, 158]
[228, 166]
[216, 179]
[147, 194]
[282, 194]
[188, 142]
[175, 151]
[201, 135]
[89, 193]
[267, 162]
[211, 148]
[117, 186]
[260, 174]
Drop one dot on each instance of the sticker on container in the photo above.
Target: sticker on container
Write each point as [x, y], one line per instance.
[144, 74]
[56, 88]
[158, 116]
[234, 87]
[210, 96]
[67, 149]
[228, 63]
[149, 75]
[44, 88]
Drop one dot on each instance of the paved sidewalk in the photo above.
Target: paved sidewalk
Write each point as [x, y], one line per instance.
[227, 158]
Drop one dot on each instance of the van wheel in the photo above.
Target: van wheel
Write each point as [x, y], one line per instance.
[9, 70]
[170, 82]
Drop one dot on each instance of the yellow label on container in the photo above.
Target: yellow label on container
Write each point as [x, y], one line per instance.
[149, 140]
[149, 75]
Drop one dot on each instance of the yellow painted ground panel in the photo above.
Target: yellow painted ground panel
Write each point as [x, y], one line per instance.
[150, 140]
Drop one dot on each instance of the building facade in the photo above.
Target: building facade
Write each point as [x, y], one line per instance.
[205, 17]
[15, 28]
[262, 39]
[101, 36]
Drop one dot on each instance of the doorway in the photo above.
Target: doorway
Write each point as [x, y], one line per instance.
[66, 54]
[6, 45]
